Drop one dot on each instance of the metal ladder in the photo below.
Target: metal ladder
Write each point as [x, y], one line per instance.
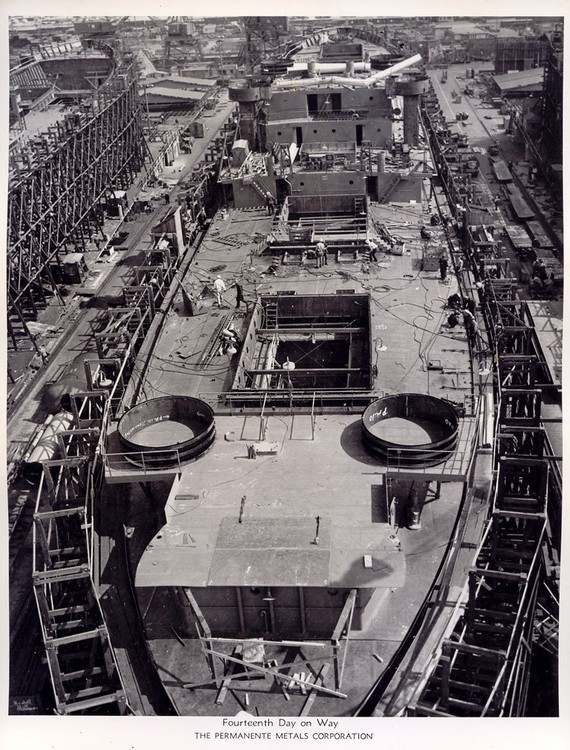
[271, 315]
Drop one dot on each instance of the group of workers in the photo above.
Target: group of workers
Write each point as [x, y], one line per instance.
[467, 308]
[322, 254]
[220, 288]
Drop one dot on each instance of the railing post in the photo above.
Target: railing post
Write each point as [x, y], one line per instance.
[313, 417]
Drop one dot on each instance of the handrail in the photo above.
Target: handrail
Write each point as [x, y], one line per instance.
[239, 401]
[122, 460]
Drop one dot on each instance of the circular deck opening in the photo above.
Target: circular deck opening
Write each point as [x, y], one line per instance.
[410, 429]
[162, 432]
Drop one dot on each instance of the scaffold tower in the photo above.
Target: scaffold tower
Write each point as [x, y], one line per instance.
[58, 184]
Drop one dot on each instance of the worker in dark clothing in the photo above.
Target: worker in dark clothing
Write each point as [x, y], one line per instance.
[239, 296]
[539, 269]
[541, 282]
[319, 252]
[443, 268]
[454, 301]
[270, 203]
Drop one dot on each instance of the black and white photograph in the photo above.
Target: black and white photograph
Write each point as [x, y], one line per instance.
[284, 308]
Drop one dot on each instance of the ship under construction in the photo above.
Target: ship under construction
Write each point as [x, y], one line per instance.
[284, 382]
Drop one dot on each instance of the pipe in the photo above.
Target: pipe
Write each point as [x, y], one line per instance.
[302, 83]
[331, 67]
[343, 81]
[47, 447]
[407, 63]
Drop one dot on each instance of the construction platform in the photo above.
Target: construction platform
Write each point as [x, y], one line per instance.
[309, 503]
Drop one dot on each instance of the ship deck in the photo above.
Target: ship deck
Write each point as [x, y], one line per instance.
[318, 466]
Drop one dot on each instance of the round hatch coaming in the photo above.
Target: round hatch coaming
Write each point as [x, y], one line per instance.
[410, 429]
[163, 432]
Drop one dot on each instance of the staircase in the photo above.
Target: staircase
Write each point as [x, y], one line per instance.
[389, 187]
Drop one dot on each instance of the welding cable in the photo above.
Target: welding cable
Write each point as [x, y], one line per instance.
[193, 368]
[407, 322]
[184, 370]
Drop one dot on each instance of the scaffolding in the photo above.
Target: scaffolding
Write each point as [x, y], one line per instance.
[518, 53]
[510, 601]
[483, 667]
[80, 657]
[58, 187]
[83, 669]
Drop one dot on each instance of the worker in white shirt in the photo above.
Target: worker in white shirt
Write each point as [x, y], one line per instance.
[219, 289]
[320, 253]
[373, 250]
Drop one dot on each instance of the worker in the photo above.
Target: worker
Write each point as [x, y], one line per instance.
[270, 203]
[452, 320]
[219, 289]
[230, 341]
[470, 325]
[319, 252]
[541, 282]
[467, 315]
[472, 330]
[304, 256]
[373, 247]
[239, 295]
[539, 269]
[454, 301]
[443, 267]
[470, 305]
[325, 254]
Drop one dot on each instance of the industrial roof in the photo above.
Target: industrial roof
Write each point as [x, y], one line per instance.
[522, 79]
[461, 27]
[169, 93]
